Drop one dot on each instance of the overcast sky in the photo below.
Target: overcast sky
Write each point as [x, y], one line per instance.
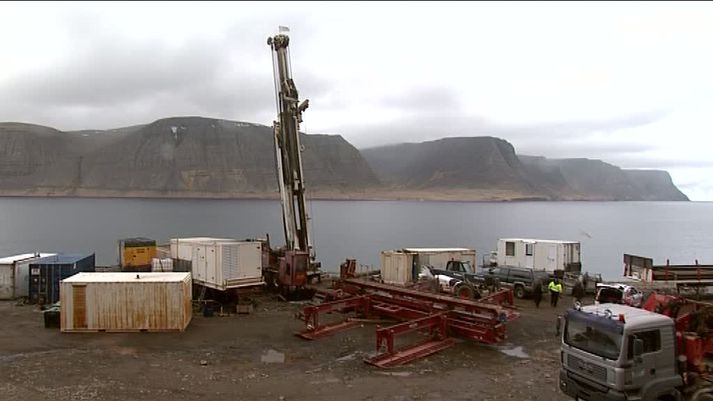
[627, 83]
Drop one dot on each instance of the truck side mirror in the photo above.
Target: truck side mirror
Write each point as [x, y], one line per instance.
[638, 349]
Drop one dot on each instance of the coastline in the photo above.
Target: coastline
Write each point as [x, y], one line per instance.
[376, 194]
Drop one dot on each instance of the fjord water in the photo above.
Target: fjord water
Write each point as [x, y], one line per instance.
[679, 231]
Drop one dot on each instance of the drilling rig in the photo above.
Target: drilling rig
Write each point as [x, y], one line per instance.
[294, 265]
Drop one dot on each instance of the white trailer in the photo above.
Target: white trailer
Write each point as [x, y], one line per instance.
[401, 266]
[221, 263]
[15, 274]
[549, 255]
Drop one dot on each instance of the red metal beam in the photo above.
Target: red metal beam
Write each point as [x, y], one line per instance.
[311, 313]
[437, 326]
[443, 316]
[444, 302]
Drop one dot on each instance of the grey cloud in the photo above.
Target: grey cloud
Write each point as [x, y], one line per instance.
[420, 125]
[113, 81]
[423, 99]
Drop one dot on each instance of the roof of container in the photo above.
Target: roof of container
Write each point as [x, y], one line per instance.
[8, 260]
[204, 239]
[555, 241]
[127, 277]
[138, 239]
[62, 259]
[438, 250]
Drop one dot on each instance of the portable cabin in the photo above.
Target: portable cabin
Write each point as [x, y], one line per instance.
[549, 255]
[126, 302]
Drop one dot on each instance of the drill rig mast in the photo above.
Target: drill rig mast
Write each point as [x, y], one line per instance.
[296, 261]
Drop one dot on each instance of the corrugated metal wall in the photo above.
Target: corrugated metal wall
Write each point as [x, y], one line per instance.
[126, 306]
[46, 273]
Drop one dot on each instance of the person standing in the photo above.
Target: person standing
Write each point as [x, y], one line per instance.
[578, 291]
[555, 290]
[537, 292]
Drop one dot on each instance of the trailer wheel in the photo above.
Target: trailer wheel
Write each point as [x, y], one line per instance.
[519, 292]
[464, 292]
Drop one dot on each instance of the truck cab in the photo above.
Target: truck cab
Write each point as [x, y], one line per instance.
[617, 352]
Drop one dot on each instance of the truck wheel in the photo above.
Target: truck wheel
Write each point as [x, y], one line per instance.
[464, 292]
[519, 292]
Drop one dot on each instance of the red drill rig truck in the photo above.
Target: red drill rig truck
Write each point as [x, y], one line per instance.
[294, 265]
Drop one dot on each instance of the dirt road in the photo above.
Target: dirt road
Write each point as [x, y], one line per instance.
[257, 357]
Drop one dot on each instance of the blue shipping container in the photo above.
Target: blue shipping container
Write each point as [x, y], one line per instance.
[46, 273]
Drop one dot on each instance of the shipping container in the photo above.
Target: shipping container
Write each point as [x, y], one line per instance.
[549, 255]
[402, 266]
[221, 263]
[14, 274]
[135, 254]
[46, 273]
[126, 302]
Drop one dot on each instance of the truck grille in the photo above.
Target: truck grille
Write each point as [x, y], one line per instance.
[588, 369]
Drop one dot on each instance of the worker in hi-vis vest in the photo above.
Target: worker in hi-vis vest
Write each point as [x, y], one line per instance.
[555, 291]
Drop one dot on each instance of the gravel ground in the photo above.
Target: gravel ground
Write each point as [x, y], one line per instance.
[257, 357]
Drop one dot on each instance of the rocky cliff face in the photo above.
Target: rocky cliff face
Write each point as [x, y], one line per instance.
[488, 163]
[597, 180]
[176, 155]
[478, 162]
[194, 156]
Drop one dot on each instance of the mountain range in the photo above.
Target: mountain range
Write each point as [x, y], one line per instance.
[203, 157]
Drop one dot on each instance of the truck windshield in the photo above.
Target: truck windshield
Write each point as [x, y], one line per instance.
[597, 335]
[466, 266]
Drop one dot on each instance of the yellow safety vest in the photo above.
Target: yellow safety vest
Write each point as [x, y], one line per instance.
[555, 287]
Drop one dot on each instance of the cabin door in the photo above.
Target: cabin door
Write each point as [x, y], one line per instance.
[551, 257]
[79, 309]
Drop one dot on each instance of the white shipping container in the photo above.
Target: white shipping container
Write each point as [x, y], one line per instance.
[403, 266]
[221, 263]
[125, 302]
[15, 274]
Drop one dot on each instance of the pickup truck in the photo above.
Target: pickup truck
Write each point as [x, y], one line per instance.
[521, 279]
[459, 279]
[618, 294]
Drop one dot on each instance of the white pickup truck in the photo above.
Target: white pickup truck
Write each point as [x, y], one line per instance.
[617, 293]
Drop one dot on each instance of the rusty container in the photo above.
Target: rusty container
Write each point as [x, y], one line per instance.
[126, 302]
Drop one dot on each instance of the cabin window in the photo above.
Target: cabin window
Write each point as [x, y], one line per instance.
[528, 249]
[509, 249]
[651, 339]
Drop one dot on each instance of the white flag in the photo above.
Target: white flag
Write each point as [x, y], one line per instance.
[283, 29]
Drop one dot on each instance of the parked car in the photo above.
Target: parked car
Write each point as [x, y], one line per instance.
[618, 294]
[521, 278]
